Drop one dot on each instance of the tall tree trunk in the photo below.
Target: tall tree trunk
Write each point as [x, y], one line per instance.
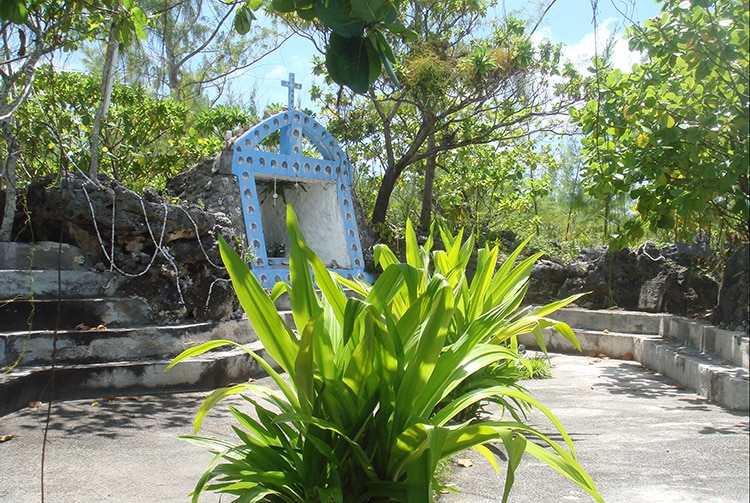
[425, 217]
[384, 195]
[13, 150]
[394, 171]
[101, 113]
[173, 69]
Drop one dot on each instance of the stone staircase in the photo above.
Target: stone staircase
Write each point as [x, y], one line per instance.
[705, 359]
[92, 344]
[69, 325]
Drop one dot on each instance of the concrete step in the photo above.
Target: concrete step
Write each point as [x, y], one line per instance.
[42, 255]
[709, 376]
[611, 320]
[118, 378]
[698, 334]
[44, 284]
[33, 314]
[612, 344]
[707, 360]
[119, 344]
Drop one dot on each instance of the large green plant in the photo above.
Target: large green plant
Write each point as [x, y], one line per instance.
[358, 418]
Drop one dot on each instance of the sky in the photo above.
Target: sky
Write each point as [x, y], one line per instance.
[569, 22]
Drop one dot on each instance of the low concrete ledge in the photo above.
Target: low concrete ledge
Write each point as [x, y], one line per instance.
[708, 360]
[731, 346]
[707, 375]
[124, 344]
[42, 255]
[612, 344]
[207, 372]
[624, 322]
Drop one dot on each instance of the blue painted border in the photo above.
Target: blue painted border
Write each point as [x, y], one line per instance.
[289, 164]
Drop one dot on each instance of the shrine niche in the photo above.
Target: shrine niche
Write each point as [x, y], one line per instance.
[290, 158]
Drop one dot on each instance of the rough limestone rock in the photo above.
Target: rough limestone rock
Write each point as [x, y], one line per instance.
[648, 279]
[733, 310]
[168, 252]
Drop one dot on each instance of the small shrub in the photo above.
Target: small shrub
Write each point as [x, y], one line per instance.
[538, 367]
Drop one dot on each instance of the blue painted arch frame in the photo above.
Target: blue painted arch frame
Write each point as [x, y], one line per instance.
[250, 162]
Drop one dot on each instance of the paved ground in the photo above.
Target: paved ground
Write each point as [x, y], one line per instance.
[641, 438]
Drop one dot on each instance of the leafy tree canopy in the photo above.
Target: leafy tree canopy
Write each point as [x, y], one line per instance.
[673, 133]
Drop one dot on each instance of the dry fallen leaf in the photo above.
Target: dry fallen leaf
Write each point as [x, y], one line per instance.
[727, 362]
[595, 360]
[464, 462]
[5, 438]
[627, 356]
[110, 398]
[95, 404]
[81, 326]
[679, 387]
[592, 353]
[602, 355]
[605, 331]
[35, 405]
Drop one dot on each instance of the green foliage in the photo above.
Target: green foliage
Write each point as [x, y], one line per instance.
[357, 49]
[145, 140]
[75, 20]
[470, 83]
[358, 420]
[673, 133]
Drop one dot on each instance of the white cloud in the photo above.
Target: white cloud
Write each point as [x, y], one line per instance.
[580, 54]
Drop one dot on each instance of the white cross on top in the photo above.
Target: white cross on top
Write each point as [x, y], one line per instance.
[292, 85]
